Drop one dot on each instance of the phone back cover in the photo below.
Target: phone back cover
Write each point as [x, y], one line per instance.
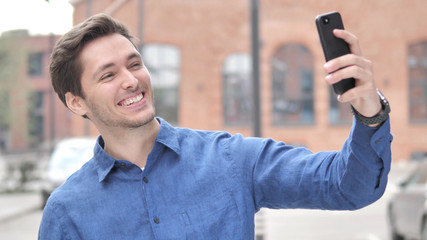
[333, 47]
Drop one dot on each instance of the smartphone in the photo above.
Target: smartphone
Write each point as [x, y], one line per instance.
[333, 47]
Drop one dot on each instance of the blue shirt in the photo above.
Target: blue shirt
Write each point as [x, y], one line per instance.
[209, 185]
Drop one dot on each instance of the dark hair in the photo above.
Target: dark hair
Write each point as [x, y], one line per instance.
[65, 66]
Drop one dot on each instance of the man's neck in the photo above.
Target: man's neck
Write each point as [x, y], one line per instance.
[132, 145]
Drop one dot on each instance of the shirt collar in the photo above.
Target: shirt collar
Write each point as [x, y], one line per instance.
[167, 136]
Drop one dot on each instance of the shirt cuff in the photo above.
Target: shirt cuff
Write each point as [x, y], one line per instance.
[376, 141]
[380, 137]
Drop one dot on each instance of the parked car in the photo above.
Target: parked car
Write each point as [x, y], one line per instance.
[407, 209]
[3, 172]
[67, 157]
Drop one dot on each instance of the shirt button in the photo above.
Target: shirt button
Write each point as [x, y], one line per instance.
[122, 164]
[156, 220]
[145, 180]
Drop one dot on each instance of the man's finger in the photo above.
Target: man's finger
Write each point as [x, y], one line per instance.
[351, 39]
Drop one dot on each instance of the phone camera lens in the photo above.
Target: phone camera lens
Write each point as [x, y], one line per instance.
[325, 20]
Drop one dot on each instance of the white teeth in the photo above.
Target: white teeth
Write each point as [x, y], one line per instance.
[133, 100]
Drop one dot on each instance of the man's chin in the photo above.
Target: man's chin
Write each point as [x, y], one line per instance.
[140, 122]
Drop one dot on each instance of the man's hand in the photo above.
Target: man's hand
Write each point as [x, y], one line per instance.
[363, 96]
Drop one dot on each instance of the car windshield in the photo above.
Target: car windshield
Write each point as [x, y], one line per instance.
[419, 176]
[71, 156]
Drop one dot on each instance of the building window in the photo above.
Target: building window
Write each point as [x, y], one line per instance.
[4, 119]
[35, 64]
[417, 65]
[35, 118]
[292, 87]
[163, 62]
[339, 113]
[237, 89]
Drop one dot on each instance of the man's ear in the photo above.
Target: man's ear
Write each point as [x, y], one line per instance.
[76, 104]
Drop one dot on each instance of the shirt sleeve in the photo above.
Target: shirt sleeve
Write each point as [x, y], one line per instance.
[288, 177]
[51, 224]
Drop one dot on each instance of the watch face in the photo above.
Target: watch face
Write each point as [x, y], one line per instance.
[381, 96]
[384, 102]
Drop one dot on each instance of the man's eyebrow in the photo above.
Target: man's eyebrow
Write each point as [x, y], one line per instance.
[134, 55]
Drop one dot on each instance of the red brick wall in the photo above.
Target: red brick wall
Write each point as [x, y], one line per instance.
[22, 85]
[207, 31]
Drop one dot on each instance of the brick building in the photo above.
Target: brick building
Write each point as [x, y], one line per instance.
[204, 46]
[198, 54]
[31, 116]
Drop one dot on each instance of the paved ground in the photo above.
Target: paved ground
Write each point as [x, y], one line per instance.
[20, 215]
[24, 227]
[13, 205]
[21, 219]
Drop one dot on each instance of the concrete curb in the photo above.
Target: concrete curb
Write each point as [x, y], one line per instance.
[15, 205]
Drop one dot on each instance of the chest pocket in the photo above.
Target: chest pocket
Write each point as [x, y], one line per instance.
[216, 218]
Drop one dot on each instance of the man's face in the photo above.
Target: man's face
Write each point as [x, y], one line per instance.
[116, 84]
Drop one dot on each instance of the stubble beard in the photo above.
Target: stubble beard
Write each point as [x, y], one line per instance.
[106, 120]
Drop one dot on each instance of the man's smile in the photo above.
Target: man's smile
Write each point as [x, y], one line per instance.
[131, 100]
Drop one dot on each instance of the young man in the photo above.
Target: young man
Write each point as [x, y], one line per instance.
[149, 180]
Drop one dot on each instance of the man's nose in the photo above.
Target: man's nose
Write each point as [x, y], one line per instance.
[129, 81]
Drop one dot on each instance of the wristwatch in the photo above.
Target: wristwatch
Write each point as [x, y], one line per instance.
[379, 118]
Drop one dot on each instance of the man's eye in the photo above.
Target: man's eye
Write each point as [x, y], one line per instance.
[136, 65]
[106, 76]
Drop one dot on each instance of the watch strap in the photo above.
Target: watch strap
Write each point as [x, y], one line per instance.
[378, 118]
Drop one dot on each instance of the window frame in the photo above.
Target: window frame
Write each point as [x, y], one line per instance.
[417, 80]
[291, 63]
[237, 74]
[163, 61]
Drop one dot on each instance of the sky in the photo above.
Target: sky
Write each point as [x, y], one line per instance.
[38, 16]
